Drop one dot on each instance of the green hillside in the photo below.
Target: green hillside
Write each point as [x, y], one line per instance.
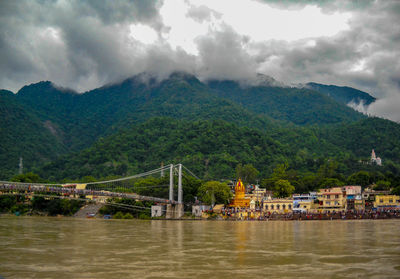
[82, 118]
[299, 106]
[343, 94]
[23, 135]
[213, 149]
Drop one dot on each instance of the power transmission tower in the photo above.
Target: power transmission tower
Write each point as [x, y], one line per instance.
[21, 166]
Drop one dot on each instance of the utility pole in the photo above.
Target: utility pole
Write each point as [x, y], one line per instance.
[21, 166]
[171, 182]
[162, 169]
[180, 184]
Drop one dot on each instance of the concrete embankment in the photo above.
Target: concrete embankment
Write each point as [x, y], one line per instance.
[89, 209]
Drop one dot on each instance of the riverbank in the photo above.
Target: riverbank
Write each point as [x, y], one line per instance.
[272, 217]
[350, 215]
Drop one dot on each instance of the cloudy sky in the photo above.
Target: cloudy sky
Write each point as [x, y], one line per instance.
[86, 44]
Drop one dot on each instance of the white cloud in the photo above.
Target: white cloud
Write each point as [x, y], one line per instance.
[143, 33]
[262, 22]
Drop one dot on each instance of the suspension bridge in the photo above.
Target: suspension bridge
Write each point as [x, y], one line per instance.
[106, 191]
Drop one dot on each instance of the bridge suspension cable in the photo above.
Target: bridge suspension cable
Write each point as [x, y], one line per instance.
[131, 177]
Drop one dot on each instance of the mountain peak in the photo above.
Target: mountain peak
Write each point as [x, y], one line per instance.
[264, 80]
[6, 92]
[44, 87]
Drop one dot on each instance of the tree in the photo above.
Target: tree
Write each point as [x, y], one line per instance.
[396, 191]
[29, 177]
[328, 169]
[330, 182]
[280, 172]
[268, 184]
[359, 178]
[309, 182]
[248, 173]
[382, 185]
[213, 192]
[283, 188]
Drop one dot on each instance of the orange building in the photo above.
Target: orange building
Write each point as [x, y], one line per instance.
[240, 200]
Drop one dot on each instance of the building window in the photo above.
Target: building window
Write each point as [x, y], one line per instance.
[284, 207]
[336, 203]
[381, 200]
[272, 206]
[390, 201]
[328, 197]
[328, 203]
[266, 207]
[336, 196]
[290, 206]
[277, 206]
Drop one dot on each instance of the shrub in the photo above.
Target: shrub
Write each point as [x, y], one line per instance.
[128, 216]
[118, 215]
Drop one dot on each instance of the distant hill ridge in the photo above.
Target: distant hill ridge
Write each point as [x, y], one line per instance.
[343, 94]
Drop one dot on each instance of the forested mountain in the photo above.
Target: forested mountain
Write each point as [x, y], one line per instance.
[24, 135]
[213, 148]
[343, 94]
[79, 119]
[210, 126]
[301, 106]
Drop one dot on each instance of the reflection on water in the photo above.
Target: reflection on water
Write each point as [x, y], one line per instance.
[39, 247]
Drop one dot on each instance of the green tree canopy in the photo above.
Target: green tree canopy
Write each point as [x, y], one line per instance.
[330, 182]
[396, 191]
[214, 192]
[248, 173]
[359, 178]
[29, 177]
[279, 173]
[283, 188]
[382, 185]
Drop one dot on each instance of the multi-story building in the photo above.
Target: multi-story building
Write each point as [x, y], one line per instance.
[387, 202]
[279, 206]
[306, 206]
[331, 200]
[259, 194]
[304, 202]
[354, 200]
[369, 195]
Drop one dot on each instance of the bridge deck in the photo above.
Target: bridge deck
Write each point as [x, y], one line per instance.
[10, 186]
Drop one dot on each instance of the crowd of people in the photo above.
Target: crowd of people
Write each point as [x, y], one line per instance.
[247, 214]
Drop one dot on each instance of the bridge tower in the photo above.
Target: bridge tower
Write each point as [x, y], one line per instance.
[175, 211]
[179, 206]
[169, 214]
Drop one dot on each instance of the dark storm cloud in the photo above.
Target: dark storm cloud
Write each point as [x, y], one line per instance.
[75, 43]
[85, 44]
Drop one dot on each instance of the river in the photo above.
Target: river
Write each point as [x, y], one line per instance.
[45, 247]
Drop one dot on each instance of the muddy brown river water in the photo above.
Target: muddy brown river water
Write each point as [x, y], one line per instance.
[44, 247]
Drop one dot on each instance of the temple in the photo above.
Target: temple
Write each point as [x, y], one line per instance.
[240, 200]
[374, 159]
